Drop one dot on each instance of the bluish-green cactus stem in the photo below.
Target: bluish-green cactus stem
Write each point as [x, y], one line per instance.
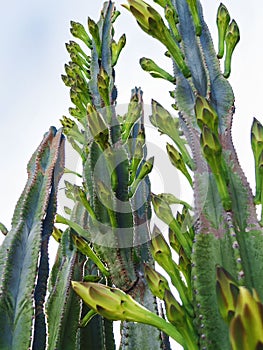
[24, 252]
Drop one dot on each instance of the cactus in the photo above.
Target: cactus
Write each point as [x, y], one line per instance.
[106, 264]
[114, 200]
[226, 229]
[24, 252]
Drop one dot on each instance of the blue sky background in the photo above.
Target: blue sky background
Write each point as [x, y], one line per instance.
[33, 97]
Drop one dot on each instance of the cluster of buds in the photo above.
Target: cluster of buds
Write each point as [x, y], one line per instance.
[175, 313]
[164, 212]
[152, 23]
[207, 120]
[169, 126]
[177, 160]
[228, 37]
[162, 254]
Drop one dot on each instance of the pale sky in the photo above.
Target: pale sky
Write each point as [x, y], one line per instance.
[33, 96]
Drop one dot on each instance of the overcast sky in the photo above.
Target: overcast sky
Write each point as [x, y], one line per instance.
[33, 97]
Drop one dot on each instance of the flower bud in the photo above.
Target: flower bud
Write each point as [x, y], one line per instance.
[152, 23]
[116, 49]
[78, 31]
[194, 12]
[205, 114]
[157, 283]
[95, 33]
[177, 161]
[227, 292]
[222, 21]
[150, 66]
[247, 323]
[232, 38]
[97, 126]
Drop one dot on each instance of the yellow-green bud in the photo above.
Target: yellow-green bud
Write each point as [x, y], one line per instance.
[174, 311]
[151, 67]
[95, 33]
[157, 283]
[152, 23]
[194, 12]
[116, 49]
[97, 126]
[205, 114]
[227, 292]
[222, 21]
[247, 323]
[232, 38]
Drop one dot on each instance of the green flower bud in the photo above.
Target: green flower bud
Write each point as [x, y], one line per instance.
[222, 21]
[257, 147]
[97, 127]
[232, 38]
[103, 86]
[211, 146]
[172, 19]
[157, 283]
[205, 114]
[162, 3]
[168, 125]
[174, 311]
[159, 246]
[212, 151]
[171, 199]
[150, 66]
[78, 31]
[152, 23]
[194, 12]
[247, 323]
[257, 138]
[146, 168]
[84, 247]
[95, 33]
[177, 161]
[73, 47]
[162, 209]
[227, 292]
[71, 129]
[134, 113]
[116, 49]
[57, 234]
[76, 99]
[136, 160]
[111, 303]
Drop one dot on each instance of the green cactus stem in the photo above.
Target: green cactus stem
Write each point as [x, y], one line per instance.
[24, 251]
